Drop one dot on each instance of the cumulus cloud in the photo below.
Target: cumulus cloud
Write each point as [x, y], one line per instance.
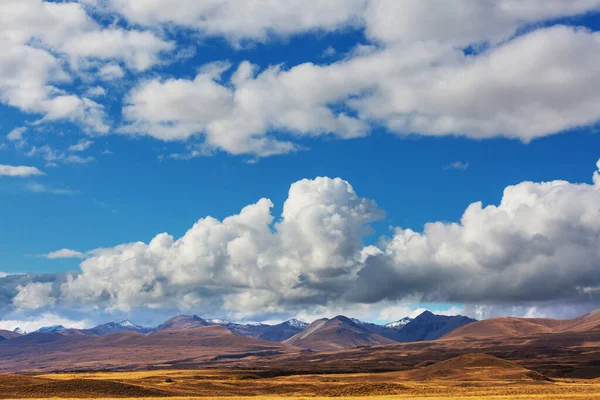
[537, 248]
[34, 295]
[538, 245]
[406, 79]
[408, 89]
[19, 171]
[43, 42]
[388, 21]
[239, 21]
[63, 253]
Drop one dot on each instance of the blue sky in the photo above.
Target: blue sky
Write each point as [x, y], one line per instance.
[176, 116]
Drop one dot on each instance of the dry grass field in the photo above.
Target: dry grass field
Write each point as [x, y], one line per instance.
[476, 376]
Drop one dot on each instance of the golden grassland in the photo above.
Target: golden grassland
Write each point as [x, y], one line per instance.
[228, 384]
[472, 376]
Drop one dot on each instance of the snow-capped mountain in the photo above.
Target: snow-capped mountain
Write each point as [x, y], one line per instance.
[19, 331]
[50, 329]
[296, 323]
[217, 321]
[115, 327]
[400, 323]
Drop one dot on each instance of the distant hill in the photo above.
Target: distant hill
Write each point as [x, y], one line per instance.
[515, 327]
[475, 367]
[5, 335]
[182, 322]
[427, 326]
[130, 350]
[52, 328]
[335, 334]
[115, 327]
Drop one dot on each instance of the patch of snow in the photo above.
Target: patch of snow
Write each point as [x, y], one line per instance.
[313, 329]
[217, 321]
[296, 323]
[399, 323]
[53, 328]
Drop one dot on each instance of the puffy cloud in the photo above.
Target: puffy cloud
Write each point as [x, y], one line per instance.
[245, 20]
[461, 22]
[535, 85]
[536, 249]
[19, 171]
[63, 253]
[40, 40]
[540, 244]
[237, 264]
[138, 50]
[34, 295]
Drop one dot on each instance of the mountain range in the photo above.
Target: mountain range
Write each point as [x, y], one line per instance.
[345, 332]
[564, 348]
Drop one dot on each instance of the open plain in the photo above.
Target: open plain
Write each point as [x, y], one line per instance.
[472, 375]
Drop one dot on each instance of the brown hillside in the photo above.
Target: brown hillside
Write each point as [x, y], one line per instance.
[475, 367]
[500, 327]
[5, 335]
[336, 334]
[520, 327]
[129, 350]
[81, 388]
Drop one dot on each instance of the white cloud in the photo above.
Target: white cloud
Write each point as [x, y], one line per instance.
[63, 253]
[34, 323]
[96, 91]
[245, 20]
[111, 71]
[461, 22]
[19, 171]
[138, 50]
[313, 259]
[34, 296]
[41, 188]
[53, 156]
[16, 134]
[81, 145]
[529, 93]
[42, 43]
[540, 232]
[459, 165]
[329, 52]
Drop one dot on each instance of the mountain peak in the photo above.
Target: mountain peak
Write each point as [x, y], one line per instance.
[426, 314]
[51, 328]
[343, 318]
[19, 331]
[183, 322]
[296, 323]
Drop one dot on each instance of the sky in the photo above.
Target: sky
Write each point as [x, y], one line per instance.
[263, 160]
